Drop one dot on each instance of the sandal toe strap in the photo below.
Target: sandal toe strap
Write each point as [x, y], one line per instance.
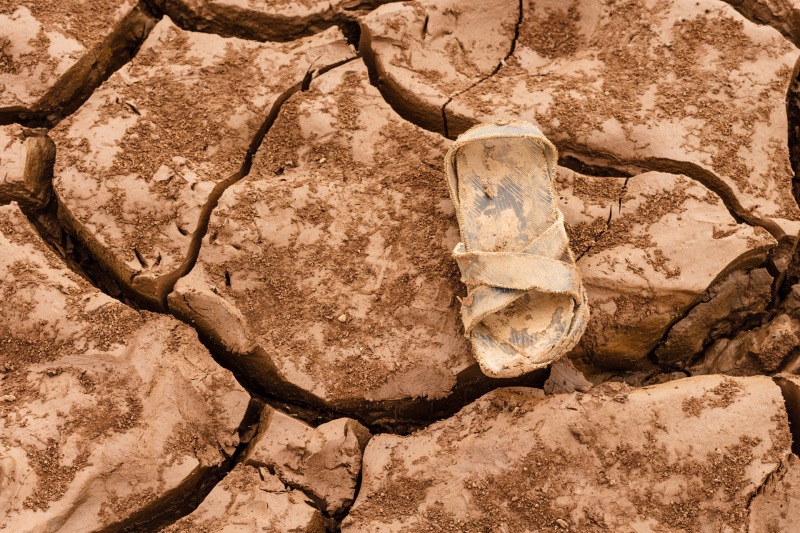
[496, 279]
[519, 271]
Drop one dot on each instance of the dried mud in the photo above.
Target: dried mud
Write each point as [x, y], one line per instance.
[228, 299]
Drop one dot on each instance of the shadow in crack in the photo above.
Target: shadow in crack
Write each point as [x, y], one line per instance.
[78, 83]
[190, 494]
[790, 388]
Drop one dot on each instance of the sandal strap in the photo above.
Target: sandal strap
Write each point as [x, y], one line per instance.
[496, 279]
[538, 266]
[524, 272]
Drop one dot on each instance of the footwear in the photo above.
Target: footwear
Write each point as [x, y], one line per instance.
[526, 305]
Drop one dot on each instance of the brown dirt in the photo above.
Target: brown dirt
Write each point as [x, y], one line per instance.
[413, 230]
[346, 327]
[553, 35]
[720, 397]
[53, 479]
[86, 21]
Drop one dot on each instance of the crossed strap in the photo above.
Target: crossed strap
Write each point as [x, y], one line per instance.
[496, 279]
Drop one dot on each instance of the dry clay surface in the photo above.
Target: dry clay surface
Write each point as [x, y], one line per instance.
[251, 500]
[333, 176]
[104, 410]
[613, 459]
[54, 54]
[109, 416]
[41, 41]
[291, 474]
[358, 308]
[140, 158]
[682, 86]
[328, 266]
[241, 166]
[330, 260]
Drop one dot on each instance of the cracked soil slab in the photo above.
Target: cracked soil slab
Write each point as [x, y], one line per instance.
[725, 307]
[138, 161]
[104, 411]
[41, 41]
[681, 86]
[324, 462]
[614, 459]
[668, 240]
[289, 474]
[427, 52]
[251, 500]
[329, 265]
[763, 350]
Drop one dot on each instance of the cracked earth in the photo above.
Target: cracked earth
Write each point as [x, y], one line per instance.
[227, 301]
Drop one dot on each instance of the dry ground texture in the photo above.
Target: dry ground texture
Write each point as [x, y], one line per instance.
[227, 301]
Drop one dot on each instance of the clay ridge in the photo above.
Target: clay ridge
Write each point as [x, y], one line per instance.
[788, 24]
[229, 20]
[167, 282]
[95, 67]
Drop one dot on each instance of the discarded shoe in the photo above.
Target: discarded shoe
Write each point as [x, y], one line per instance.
[526, 305]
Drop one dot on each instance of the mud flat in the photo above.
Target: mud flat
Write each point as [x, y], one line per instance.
[108, 415]
[228, 301]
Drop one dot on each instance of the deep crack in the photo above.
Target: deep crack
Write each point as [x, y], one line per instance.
[793, 124]
[185, 498]
[747, 261]
[496, 69]
[230, 20]
[78, 83]
[790, 390]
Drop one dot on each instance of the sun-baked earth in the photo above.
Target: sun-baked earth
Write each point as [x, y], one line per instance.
[229, 301]
[104, 410]
[41, 41]
[518, 461]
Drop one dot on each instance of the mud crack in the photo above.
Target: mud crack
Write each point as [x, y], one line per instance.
[793, 119]
[230, 20]
[608, 220]
[500, 64]
[185, 498]
[76, 85]
[166, 283]
[790, 389]
[704, 177]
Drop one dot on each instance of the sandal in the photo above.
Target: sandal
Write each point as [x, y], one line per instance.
[526, 305]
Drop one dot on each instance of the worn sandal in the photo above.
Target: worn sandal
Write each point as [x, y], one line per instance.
[525, 306]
